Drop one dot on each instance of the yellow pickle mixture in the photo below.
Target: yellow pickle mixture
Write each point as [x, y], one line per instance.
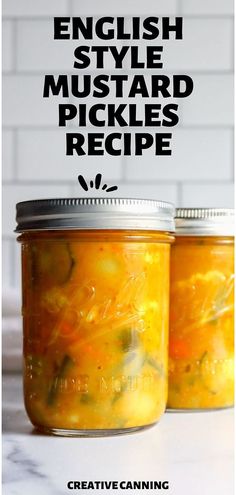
[95, 313]
[201, 346]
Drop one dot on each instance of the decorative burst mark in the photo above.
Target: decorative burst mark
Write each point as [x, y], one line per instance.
[83, 182]
[110, 189]
[96, 182]
[98, 179]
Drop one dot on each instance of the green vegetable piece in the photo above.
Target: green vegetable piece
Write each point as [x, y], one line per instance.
[129, 339]
[61, 373]
[86, 399]
[203, 357]
[54, 261]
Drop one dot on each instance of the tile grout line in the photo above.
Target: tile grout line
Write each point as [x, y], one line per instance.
[70, 8]
[150, 182]
[182, 127]
[198, 17]
[130, 72]
[123, 168]
[180, 8]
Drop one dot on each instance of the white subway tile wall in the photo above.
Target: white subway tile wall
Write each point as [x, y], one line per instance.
[124, 7]
[13, 193]
[60, 54]
[8, 155]
[24, 105]
[184, 164]
[206, 45]
[200, 170]
[27, 8]
[211, 102]
[195, 194]
[42, 158]
[8, 262]
[208, 7]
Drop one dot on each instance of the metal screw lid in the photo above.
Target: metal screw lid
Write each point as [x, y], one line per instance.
[94, 213]
[204, 221]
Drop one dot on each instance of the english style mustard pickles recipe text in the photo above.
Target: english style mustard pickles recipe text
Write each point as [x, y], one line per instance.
[139, 99]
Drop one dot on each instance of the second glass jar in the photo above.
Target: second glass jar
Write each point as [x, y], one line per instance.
[201, 345]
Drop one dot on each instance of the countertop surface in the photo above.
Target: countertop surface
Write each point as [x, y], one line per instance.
[193, 451]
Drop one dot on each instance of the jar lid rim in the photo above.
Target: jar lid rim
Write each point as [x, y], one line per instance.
[203, 213]
[94, 213]
[204, 221]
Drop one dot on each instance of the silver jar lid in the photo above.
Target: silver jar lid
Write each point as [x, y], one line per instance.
[94, 213]
[204, 221]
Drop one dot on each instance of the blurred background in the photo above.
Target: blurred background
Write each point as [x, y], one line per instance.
[200, 170]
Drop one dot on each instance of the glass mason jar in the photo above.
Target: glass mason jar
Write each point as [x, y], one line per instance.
[201, 347]
[95, 313]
